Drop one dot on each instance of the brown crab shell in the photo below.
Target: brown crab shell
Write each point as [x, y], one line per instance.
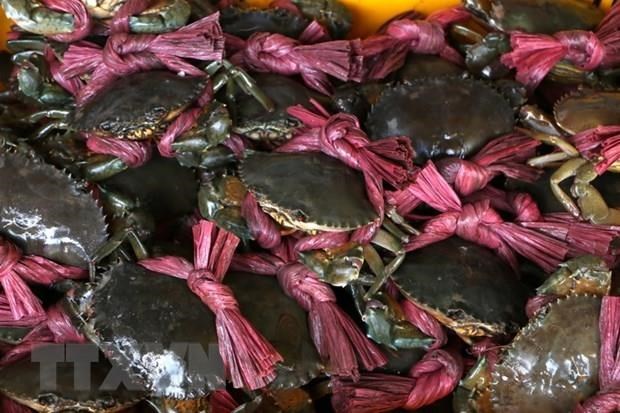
[552, 364]
[44, 212]
[307, 191]
[466, 287]
[133, 306]
[539, 16]
[138, 106]
[443, 116]
[255, 122]
[21, 381]
[587, 109]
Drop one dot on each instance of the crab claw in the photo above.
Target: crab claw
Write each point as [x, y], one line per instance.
[338, 266]
[587, 274]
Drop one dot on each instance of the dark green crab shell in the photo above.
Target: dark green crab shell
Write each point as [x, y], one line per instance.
[468, 288]
[162, 186]
[139, 105]
[132, 307]
[253, 121]
[45, 213]
[587, 109]
[553, 363]
[538, 16]
[245, 22]
[443, 116]
[311, 190]
[21, 382]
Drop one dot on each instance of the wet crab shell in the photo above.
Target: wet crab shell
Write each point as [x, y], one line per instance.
[245, 22]
[21, 381]
[44, 212]
[587, 109]
[162, 186]
[443, 116]
[466, 287]
[138, 106]
[553, 362]
[307, 191]
[132, 307]
[538, 16]
[253, 121]
[419, 66]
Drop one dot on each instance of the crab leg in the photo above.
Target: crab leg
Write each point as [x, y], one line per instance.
[567, 150]
[567, 170]
[591, 203]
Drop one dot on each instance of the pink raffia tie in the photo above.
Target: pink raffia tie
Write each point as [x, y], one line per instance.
[505, 155]
[220, 401]
[124, 54]
[601, 145]
[607, 400]
[425, 322]
[431, 379]
[248, 357]
[133, 153]
[55, 328]
[386, 52]
[337, 338]
[17, 270]
[534, 55]
[478, 222]
[276, 53]
[9, 406]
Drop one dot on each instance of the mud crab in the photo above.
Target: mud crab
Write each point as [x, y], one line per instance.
[33, 16]
[578, 114]
[500, 17]
[443, 116]
[552, 364]
[138, 199]
[116, 313]
[30, 390]
[464, 272]
[242, 22]
[253, 121]
[67, 230]
[290, 199]
[128, 109]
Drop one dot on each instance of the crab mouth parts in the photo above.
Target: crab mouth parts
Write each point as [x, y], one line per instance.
[281, 130]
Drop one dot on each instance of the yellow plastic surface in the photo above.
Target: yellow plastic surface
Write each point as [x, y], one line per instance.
[368, 15]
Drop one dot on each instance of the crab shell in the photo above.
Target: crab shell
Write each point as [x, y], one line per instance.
[254, 122]
[245, 22]
[538, 16]
[43, 211]
[21, 381]
[419, 66]
[307, 191]
[138, 106]
[553, 363]
[587, 109]
[443, 116]
[162, 186]
[132, 307]
[466, 287]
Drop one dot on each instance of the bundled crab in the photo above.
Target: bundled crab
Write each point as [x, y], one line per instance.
[228, 209]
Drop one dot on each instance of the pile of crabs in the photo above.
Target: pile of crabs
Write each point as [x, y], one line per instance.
[207, 207]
